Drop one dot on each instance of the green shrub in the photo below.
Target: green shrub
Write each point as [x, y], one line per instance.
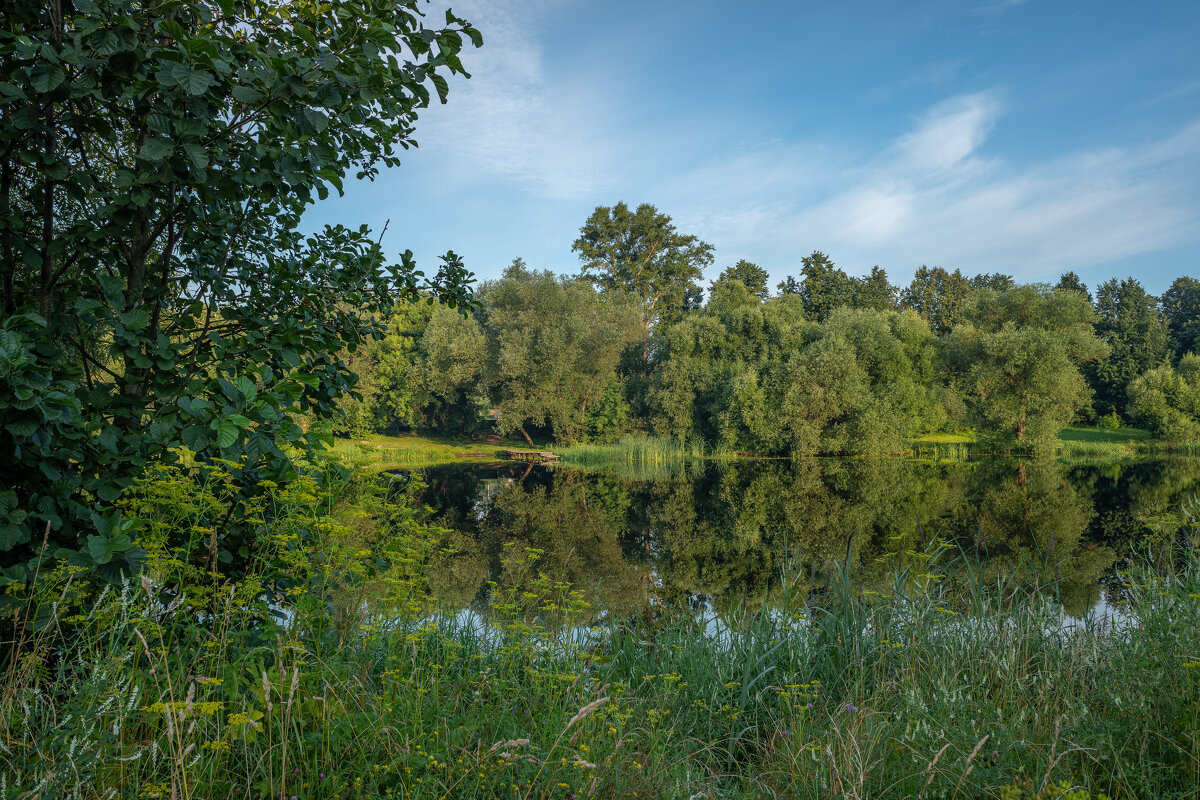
[1022, 789]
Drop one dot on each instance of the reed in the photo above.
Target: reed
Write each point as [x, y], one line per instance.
[944, 686]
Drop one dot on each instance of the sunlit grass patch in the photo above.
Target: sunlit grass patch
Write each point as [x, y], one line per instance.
[378, 452]
[961, 437]
[1105, 435]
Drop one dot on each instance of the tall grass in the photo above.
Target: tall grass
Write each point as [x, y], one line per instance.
[945, 686]
[645, 450]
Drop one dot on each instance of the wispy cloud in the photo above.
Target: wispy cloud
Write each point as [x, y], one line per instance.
[935, 73]
[935, 195]
[993, 7]
[511, 120]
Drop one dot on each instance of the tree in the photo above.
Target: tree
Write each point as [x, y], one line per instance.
[1130, 323]
[863, 386]
[788, 285]
[754, 276]
[873, 292]
[1070, 282]
[1181, 310]
[554, 345]
[1017, 361]
[155, 160]
[709, 368]
[450, 365]
[939, 296]
[995, 281]
[824, 287]
[642, 252]
[398, 397]
[1167, 401]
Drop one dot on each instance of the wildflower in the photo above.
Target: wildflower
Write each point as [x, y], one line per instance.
[851, 707]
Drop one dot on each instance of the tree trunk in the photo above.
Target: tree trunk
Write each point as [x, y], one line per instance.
[521, 428]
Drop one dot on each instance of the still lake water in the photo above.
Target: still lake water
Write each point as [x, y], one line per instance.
[725, 534]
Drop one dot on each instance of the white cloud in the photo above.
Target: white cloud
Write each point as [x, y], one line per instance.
[934, 195]
[993, 7]
[511, 120]
[946, 137]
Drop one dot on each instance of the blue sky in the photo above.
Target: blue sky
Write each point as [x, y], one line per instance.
[1021, 136]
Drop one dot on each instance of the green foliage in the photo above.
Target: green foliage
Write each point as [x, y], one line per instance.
[994, 281]
[1022, 789]
[1130, 323]
[1017, 361]
[1181, 310]
[939, 296]
[1167, 401]
[453, 360]
[863, 386]
[398, 398]
[642, 253]
[711, 368]
[824, 287]
[553, 349]
[754, 276]
[874, 291]
[155, 163]
[1070, 282]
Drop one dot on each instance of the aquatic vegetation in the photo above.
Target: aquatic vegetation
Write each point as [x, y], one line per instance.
[331, 673]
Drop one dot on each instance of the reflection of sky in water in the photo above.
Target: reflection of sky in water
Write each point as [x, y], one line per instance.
[720, 535]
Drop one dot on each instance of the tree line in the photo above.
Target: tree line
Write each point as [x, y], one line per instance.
[827, 363]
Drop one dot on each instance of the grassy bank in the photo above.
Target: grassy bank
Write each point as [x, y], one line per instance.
[942, 687]
[379, 452]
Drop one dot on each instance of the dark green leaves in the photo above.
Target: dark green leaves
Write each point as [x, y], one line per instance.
[46, 77]
[186, 308]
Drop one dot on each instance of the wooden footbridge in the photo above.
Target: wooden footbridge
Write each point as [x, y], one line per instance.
[530, 456]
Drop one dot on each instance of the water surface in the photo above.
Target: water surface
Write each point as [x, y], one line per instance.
[723, 534]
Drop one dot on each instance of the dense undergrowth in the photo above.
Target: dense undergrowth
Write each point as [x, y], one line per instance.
[329, 672]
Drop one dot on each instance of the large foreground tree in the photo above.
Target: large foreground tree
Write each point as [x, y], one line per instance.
[155, 160]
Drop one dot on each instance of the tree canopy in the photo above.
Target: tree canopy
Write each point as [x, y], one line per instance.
[1018, 358]
[154, 163]
[642, 252]
[1130, 323]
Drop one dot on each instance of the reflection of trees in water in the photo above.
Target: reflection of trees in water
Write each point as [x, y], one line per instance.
[1141, 507]
[1026, 521]
[574, 522]
[728, 532]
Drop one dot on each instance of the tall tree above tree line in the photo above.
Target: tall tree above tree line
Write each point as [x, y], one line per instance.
[751, 274]
[155, 160]
[641, 251]
[1181, 309]
[824, 287]
[939, 296]
[1130, 323]
[1070, 282]
[874, 291]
